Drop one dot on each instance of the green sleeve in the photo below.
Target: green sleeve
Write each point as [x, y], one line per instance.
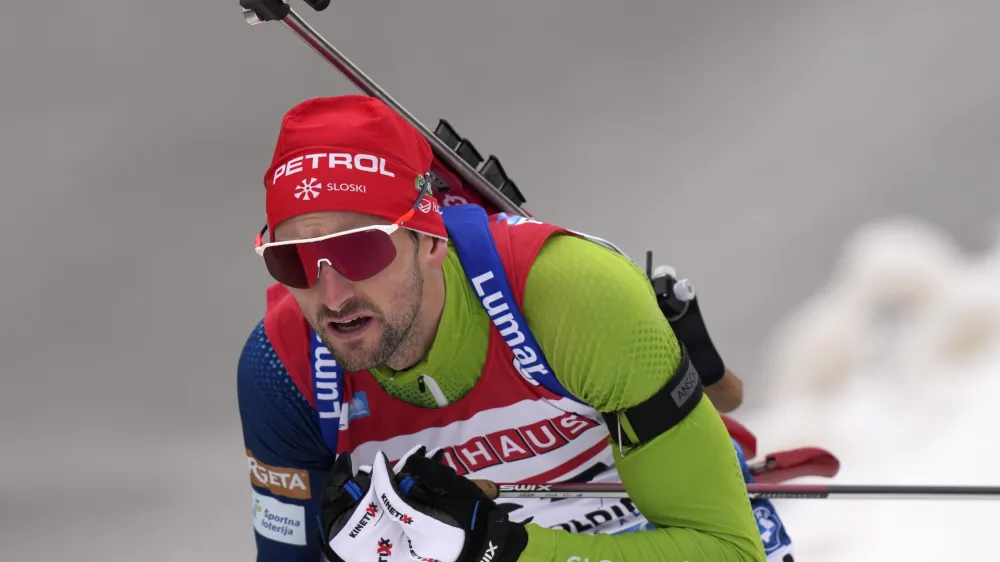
[595, 317]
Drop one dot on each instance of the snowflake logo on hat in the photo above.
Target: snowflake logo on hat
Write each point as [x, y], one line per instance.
[308, 189]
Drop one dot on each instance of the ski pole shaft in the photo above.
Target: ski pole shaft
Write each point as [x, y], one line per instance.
[782, 491]
[352, 72]
[859, 491]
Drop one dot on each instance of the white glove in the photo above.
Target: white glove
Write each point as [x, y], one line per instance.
[355, 524]
[427, 534]
[446, 517]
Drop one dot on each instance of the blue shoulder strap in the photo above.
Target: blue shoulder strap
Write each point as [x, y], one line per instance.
[328, 389]
[468, 228]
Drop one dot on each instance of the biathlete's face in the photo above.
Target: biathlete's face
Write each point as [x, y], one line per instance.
[357, 278]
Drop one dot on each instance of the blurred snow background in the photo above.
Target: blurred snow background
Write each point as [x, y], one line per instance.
[895, 367]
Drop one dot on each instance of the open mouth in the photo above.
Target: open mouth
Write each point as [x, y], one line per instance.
[349, 326]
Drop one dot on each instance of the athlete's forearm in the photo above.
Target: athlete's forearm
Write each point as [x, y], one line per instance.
[727, 393]
[688, 483]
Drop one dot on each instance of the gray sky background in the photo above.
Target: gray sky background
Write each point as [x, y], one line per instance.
[742, 142]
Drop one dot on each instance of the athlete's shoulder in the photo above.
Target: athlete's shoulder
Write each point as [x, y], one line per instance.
[567, 257]
[261, 374]
[518, 240]
[282, 335]
[559, 241]
[280, 425]
[574, 277]
[595, 316]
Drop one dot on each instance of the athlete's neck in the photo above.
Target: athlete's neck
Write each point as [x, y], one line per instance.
[424, 328]
[451, 364]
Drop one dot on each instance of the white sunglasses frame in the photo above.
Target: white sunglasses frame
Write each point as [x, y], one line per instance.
[386, 228]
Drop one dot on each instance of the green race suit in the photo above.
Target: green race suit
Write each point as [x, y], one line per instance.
[596, 319]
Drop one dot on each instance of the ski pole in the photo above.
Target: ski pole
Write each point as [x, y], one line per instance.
[782, 491]
[259, 11]
[862, 491]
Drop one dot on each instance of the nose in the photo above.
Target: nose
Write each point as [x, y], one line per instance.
[334, 289]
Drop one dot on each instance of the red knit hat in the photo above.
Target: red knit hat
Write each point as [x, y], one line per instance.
[350, 153]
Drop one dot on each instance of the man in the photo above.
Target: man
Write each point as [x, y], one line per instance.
[513, 350]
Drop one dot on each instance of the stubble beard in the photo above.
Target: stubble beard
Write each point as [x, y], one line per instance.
[398, 330]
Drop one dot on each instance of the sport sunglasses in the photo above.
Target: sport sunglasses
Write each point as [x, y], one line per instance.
[356, 254]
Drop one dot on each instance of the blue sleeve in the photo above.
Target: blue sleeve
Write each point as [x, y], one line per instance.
[287, 456]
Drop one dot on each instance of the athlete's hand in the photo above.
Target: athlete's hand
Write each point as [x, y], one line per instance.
[355, 526]
[445, 516]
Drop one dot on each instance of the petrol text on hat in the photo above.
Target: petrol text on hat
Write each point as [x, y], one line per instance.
[332, 160]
